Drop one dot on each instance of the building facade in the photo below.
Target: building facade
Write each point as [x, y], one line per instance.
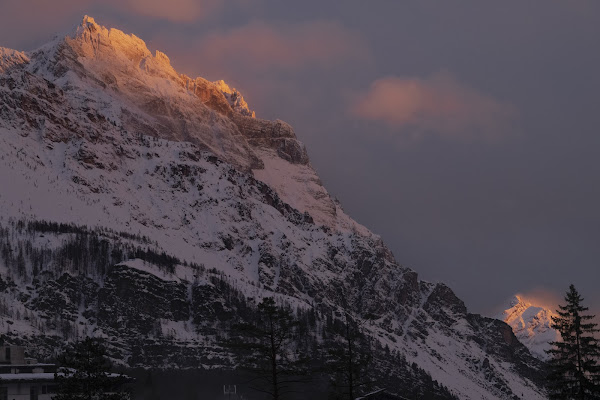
[24, 378]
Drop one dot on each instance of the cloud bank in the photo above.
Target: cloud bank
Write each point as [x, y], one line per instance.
[260, 46]
[438, 104]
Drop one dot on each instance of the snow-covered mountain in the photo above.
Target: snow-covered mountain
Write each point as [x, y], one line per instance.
[531, 324]
[151, 208]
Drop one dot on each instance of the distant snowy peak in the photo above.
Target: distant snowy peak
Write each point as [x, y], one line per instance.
[531, 324]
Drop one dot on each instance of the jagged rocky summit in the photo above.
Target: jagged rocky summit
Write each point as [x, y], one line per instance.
[532, 324]
[154, 209]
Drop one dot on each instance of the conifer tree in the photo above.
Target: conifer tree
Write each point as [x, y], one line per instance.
[268, 347]
[85, 374]
[574, 373]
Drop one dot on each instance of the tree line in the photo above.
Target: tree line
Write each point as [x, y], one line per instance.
[82, 250]
[272, 348]
[271, 351]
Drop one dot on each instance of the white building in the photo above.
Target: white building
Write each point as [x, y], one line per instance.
[24, 378]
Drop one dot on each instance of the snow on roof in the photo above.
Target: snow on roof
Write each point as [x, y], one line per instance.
[28, 365]
[41, 376]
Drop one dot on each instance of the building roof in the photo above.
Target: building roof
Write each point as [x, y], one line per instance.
[27, 377]
[27, 365]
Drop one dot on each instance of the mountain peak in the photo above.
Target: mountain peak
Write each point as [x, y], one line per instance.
[97, 41]
[88, 21]
[140, 93]
[531, 323]
[515, 300]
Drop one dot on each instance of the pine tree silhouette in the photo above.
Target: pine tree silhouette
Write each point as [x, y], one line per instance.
[573, 368]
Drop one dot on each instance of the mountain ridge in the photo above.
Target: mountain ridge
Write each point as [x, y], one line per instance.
[132, 148]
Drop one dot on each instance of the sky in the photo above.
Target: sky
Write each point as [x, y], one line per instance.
[466, 134]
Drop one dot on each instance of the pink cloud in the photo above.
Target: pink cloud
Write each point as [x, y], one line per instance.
[261, 46]
[172, 10]
[30, 19]
[543, 298]
[438, 104]
[256, 58]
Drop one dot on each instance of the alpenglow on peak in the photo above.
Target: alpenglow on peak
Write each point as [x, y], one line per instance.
[532, 324]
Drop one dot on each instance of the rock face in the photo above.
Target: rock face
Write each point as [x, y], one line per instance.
[235, 99]
[133, 300]
[154, 210]
[276, 135]
[531, 325]
[11, 58]
[210, 95]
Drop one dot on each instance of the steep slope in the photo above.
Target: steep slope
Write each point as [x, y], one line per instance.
[531, 325]
[142, 93]
[141, 163]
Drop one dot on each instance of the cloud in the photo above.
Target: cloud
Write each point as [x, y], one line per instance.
[542, 297]
[25, 24]
[438, 104]
[172, 10]
[39, 18]
[260, 46]
[271, 62]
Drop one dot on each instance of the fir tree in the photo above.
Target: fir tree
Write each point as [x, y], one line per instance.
[85, 374]
[573, 370]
